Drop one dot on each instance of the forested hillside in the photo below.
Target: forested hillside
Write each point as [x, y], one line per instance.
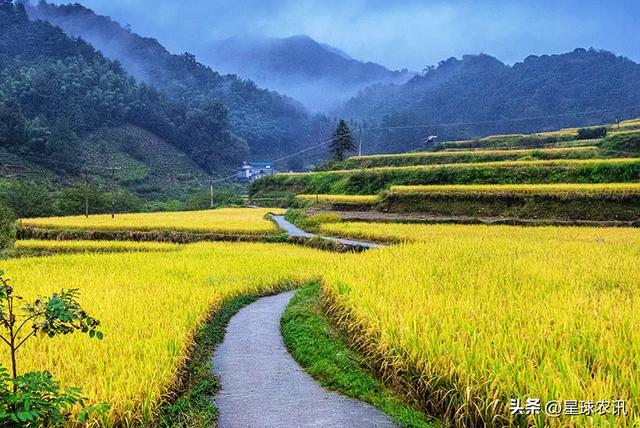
[271, 123]
[555, 89]
[55, 90]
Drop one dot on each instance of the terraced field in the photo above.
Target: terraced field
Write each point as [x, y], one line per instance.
[463, 156]
[227, 221]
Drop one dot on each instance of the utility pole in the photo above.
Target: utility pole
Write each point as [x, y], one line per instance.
[211, 193]
[360, 142]
[113, 191]
[86, 193]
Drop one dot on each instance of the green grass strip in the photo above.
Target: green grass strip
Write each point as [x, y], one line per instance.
[323, 352]
[193, 406]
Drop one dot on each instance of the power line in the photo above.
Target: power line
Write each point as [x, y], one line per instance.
[213, 181]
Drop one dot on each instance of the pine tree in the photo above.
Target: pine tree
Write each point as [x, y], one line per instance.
[342, 143]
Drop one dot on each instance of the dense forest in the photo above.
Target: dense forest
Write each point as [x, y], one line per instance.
[272, 124]
[541, 93]
[54, 90]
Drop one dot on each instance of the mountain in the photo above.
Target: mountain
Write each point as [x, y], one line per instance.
[555, 89]
[272, 124]
[319, 75]
[64, 108]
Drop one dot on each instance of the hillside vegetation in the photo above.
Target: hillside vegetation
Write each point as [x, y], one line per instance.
[484, 96]
[272, 124]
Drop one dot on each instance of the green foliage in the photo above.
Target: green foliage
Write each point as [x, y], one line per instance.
[35, 398]
[325, 354]
[310, 223]
[272, 124]
[592, 133]
[54, 90]
[7, 228]
[295, 164]
[222, 197]
[491, 97]
[193, 406]
[370, 182]
[342, 142]
[27, 198]
[38, 400]
[72, 200]
[157, 206]
[622, 144]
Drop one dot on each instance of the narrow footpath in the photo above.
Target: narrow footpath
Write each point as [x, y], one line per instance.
[263, 386]
[293, 230]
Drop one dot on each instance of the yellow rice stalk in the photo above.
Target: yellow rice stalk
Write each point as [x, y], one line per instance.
[477, 315]
[580, 188]
[342, 199]
[246, 221]
[150, 305]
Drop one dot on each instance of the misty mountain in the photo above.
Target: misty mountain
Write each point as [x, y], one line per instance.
[566, 90]
[272, 124]
[318, 75]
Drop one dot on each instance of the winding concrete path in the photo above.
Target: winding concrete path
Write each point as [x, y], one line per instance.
[293, 230]
[263, 386]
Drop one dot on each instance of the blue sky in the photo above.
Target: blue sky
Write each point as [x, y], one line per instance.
[400, 33]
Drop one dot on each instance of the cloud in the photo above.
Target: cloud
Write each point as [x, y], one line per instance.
[403, 33]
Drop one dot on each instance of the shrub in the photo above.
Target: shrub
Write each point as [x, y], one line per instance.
[7, 227]
[27, 198]
[592, 133]
[221, 198]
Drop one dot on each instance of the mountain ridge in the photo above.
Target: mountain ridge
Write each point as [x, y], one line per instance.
[319, 75]
[562, 88]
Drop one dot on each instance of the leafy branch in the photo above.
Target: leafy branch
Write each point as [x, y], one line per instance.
[35, 398]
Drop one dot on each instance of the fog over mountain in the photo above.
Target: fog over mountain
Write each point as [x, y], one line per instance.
[318, 75]
[396, 34]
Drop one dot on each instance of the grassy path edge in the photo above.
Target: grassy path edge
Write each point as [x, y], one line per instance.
[322, 350]
[192, 402]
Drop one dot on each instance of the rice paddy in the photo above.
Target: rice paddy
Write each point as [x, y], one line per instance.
[476, 316]
[562, 188]
[224, 221]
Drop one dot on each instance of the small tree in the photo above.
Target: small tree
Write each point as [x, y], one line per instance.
[342, 142]
[35, 398]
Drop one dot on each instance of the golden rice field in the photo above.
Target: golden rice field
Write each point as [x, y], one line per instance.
[92, 246]
[463, 317]
[480, 152]
[341, 199]
[150, 304]
[588, 188]
[224, 220]
[496, 164]
[407, 232]
[474, 316]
